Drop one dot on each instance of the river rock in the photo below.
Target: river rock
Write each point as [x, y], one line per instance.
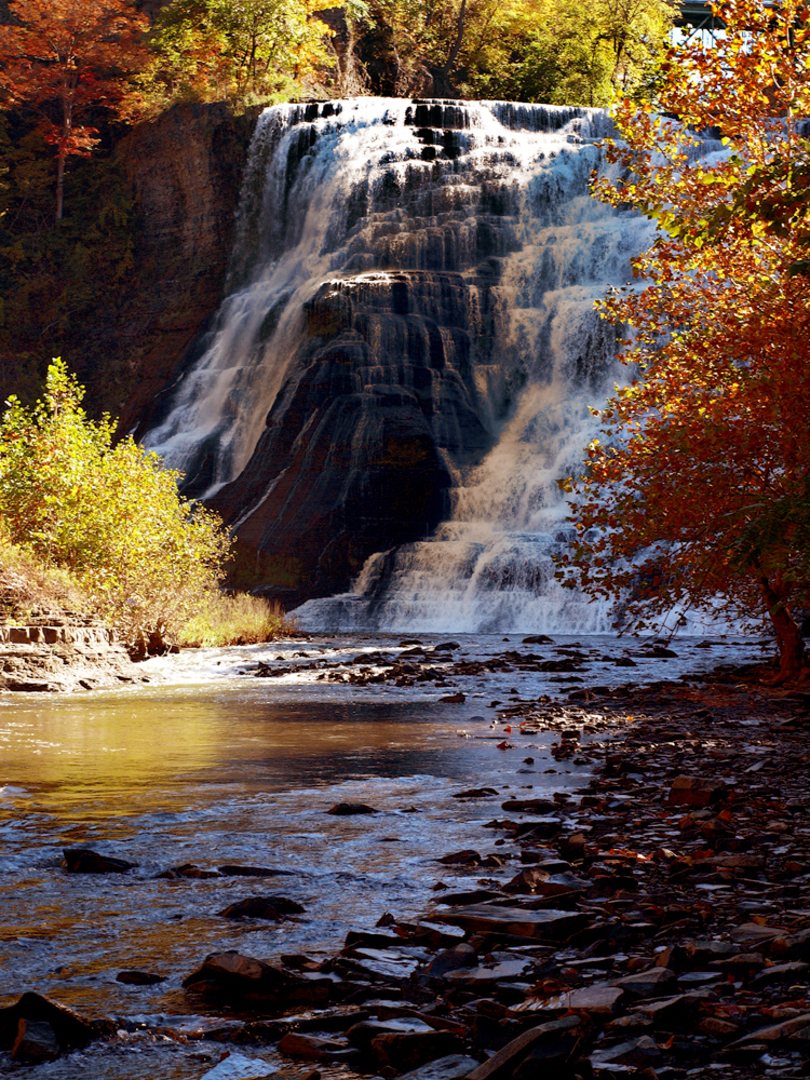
[71, 1030]
[451, 1067]
[695, 791]
[793, 946]
[537, 880]
[505, 969]
[460, 956]
[36, 1042]
[276, 908]
[796, 1027]
[233, 870]
[550, 925]
[404, 1051]
[361, 1035]
[556, 1033]
[382, 964]
[188, 870]
[639, 1053]
[655, 982]
[600, 999]
[86, 861]
[233, 975]
[529, 806]
[139, 978]
[238, 1067]
[794, 971]
[312, 1048]
[347, 809]
[467, 857]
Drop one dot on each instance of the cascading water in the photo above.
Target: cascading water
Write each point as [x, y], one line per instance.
[405, 361]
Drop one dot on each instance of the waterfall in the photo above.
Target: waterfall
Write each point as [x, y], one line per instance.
[432, 265]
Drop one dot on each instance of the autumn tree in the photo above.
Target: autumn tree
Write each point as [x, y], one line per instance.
[528, 50]
[66, 59]
[239, 50]
[697, 492]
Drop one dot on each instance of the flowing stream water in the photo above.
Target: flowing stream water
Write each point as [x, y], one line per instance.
[219, 767]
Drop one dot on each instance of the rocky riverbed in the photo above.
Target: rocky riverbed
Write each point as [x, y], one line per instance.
[653, 922]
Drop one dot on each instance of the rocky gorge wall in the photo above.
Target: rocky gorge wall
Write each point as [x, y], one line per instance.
[60, 651]
[409, 278]
[185, 171]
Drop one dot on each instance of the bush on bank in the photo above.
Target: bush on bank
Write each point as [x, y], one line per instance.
[139, 554]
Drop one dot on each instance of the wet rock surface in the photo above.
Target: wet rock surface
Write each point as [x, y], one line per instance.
[655, 922]
[58, 651]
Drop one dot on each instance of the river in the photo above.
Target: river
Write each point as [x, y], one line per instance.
[211, 766]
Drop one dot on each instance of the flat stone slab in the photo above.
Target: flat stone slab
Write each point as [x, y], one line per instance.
[638, 1053]
[387, 963]
[480, 976]
[600, 999]
[750, 934]
[797, 1027]
[656, 982]
[295, 1044]
[505, 1058]
[451, 1067]
[695, 791]
[361, 1034]
[548, 925]
[239, 1067]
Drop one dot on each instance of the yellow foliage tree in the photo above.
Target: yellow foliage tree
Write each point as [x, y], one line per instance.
[110, 514]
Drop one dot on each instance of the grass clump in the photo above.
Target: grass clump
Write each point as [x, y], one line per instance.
[234, 619]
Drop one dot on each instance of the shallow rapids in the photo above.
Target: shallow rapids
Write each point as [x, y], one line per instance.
[219, 767]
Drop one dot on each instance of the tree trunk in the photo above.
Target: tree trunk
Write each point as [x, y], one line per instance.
[67, 127]
[788, 635]
[60, 186]
[451, 59]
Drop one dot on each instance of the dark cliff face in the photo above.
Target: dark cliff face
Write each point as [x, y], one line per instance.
[185, 170]
[127, 278]
[361, 443]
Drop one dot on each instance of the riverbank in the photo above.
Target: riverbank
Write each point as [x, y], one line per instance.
[655, 917]
[63, 651]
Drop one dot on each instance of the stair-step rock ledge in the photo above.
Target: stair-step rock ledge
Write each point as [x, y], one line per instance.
[57, 654]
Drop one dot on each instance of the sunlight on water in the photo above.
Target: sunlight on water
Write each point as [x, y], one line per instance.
[219, 767]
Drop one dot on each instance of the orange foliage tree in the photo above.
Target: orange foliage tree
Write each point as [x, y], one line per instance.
[697, 493]
[65, 59]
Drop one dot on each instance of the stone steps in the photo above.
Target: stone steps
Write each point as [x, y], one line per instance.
[52, 635]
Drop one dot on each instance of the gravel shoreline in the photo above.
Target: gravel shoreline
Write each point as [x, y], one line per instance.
[654, 923]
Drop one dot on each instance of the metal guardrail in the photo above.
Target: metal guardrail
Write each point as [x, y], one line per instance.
[698, 16]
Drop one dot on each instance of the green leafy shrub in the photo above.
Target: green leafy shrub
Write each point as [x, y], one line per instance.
[109, 514]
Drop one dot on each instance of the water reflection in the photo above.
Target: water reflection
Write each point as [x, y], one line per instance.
[101, 755]
[237, 770]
